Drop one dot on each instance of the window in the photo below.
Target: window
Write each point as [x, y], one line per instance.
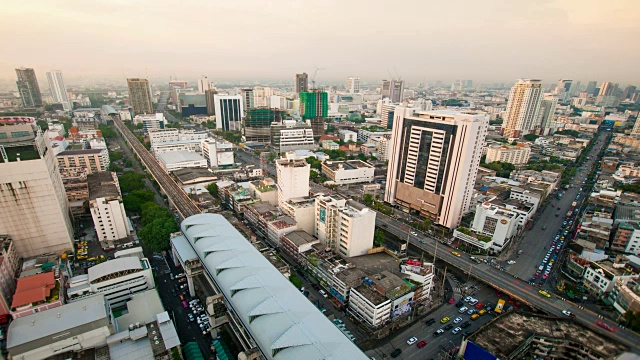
[17, 134]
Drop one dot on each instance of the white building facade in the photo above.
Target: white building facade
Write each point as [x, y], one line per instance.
[58, 89]
[517, 155]
[522, 109]
[293, 178]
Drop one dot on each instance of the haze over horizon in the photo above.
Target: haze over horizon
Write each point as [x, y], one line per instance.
[486, 41]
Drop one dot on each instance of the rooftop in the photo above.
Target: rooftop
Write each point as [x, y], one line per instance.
[347, 165]
[102, 185]
[174, 157]
[142, 308]
[33, 289]
[190, 174]
[97, 272]
[81, 152]
[371, 294]
[300, 237]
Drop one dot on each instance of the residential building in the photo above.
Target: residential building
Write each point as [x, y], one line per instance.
[140, 96]
[366, 134]
[600, 277]
[204, 84]
[217, 152]
[262, 96]
[314, 106]
[9, 268]
[76, 188]
[330, 145]
[302, 210]
[377, 300]
[527, 194]
[348, 135]
[301, 83]
[118, 280]
[420, 274]
[209, 96]
[297, 242]
[176, 160]
[625, 296]
[150, 121]
[33, 205]
[496, 225]
[433, 162]
[279, 227]
[229, 112]
[393, 90]
[547, 113]
[257, 124]
[348, 172]
[247, 98]
[107, 210]
[93, 160]
[28, 88]
[58, 89]
[353, 85]
[383, 146]
[522, 108]
[627, 238]
[71, 328]
[265, 190]
[517, 155]
[563, 89]
[288, 135]
[36, 293]
[346, 227]
[292, 177]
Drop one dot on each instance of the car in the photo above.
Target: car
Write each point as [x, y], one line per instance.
[605, 326]
[455, 253]
[474, 316]
[395, 353]
[412, 341]
[479, 305]
[444, 320]
[191, 318]
[465, 324]
[184, 304]
[459, 304]
[430, 321]
[463, 309]
[511, 262]
[457, 320]
[482, 312]
[414, 233]
[544, 293]
[452, 300]
[323, 293]
[473, 301]
[467, 299]
[448, 327]
[438, 332]
[422, 344]
[302, 289]
[471, 311]
[567, 312]
[456, 330]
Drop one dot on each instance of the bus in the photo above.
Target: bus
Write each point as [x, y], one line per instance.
[500, 306]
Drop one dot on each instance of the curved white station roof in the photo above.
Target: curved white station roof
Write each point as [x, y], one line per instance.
[284, 324]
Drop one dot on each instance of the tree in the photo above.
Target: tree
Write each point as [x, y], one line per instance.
[530, 137]
[367, 199]
[213, 189]
[362, 157]
[157, 233]
[633, 320]
[107, 131]
[128, 163]
[130, 181]
[313, 175]
[378, 238]
[42, 124]
[115, 156]
[134, 200]
[315, 163]
[139, 126]
[114, 168]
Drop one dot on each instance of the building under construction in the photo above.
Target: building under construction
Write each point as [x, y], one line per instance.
[314, 106]
[257, 124]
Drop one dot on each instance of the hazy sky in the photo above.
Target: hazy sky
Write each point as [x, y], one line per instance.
[423, 40]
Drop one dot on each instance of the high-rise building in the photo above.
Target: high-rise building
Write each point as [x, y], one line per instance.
[353, 84]
[433, 162]
[107, 209]
[591, 88]
[293, 178]
[247, 99]
[211, 101]
[257, 124]
[204, 84]
[344, 226]
[522, 109]
[547, 111]
[229, 112]
[33, 204]
[563, 89]
[262, 96]
[302, 83]
[28, 88]
[628, 92]
[607, 89]
[140, 96]
[314, 106]
[393, 90]
[58, 89]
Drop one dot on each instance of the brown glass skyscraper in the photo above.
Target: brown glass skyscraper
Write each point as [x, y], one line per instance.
[28, 88]
[140, 96]
[302, 83]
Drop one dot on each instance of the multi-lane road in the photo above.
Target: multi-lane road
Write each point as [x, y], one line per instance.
[186, 207]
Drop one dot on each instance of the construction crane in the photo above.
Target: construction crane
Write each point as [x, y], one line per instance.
[313, 78]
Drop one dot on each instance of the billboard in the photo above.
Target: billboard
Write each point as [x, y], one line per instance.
[323, 215]
[401, 305]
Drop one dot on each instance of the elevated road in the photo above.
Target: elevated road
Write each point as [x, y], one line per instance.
[186, 207]
[509, 284]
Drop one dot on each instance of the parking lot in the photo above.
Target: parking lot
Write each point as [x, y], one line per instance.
[446, 340]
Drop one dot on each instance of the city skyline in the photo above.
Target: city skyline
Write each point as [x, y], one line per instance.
[548, 40]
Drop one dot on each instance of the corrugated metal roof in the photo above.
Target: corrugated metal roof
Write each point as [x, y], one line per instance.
[184, 249]
[284, 324]
[113, 266]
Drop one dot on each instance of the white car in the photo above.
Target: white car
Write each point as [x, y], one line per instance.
[414, 233]
[412, 341]
[511, 262]
[566, 312]
[456, 330]
[463, 309]
[457, 320]
[473, 301]
[323, 293]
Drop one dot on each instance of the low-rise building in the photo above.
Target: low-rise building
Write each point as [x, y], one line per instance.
[36, 293]
[600, 277]
[107, 210]
[297, 242]
[348, 135]
[218, 152]
[302, 210]
[625, 296]
[76, 188]
[93, 160]
[527, 194]
[9, 266]
[627, 238]
[495, 222]
[348, 172]
[195, 176]
[265, 190]
[366, 133]
[177, 160]
[514, 154]
[330, 145]
[150, 121]
[289, 135]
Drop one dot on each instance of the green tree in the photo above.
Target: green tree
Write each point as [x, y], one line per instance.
[42, 124]
[134, 200]
[115, 156]
[213, 189]
[367, 199]
[128, 163]
[140, 126]
[315, 163]
[107, 131]
[156, 234]
[378, 238]
[130, 181]
[362, 157]
[313, 175]
[633, 320]
[530, 137]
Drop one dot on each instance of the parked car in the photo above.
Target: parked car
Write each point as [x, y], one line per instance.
[445, 320]
[456, 330]
[323, 293]
[457, 320]
[430, 321]
[463, 309]
[395, 353]
[422, 344]
[412, 341]
[448, 327]
[438, 332]
[465, 324]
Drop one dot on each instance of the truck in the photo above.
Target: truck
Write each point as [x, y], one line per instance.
[499, 306]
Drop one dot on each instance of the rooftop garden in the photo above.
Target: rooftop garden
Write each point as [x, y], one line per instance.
[468, 232]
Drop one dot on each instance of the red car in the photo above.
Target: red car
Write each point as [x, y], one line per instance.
[605, 326]
[452, 300]
[184, 304]
[479, 305]
[422, 344]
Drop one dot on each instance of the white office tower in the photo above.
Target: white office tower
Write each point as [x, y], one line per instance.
[522, 109]
[353, 85]
[33, 204]
[204, 85]
[433, 162]
[229, 112]
[346, 227]
[293, 177]
[547, 113]
[262, 96]
[58, 89]
[107, 209]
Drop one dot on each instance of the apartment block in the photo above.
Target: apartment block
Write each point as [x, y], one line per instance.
[292, 177]
[93, 160]
[517, 155]
[105, 204]
[348, 172]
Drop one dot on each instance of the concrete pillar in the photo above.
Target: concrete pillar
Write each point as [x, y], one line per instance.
[192, 290]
